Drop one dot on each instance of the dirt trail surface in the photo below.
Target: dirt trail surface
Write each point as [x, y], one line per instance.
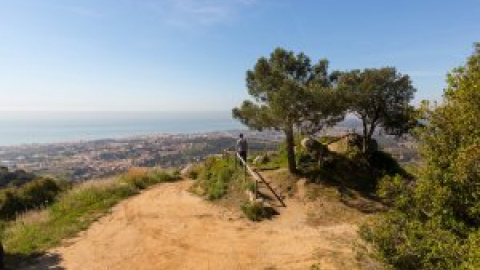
[169, 228]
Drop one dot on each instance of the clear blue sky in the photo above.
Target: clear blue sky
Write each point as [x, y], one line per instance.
[192, 55]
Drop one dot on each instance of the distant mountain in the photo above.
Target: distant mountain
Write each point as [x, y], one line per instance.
[350, 123]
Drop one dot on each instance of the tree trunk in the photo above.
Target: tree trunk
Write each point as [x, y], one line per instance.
[365, 135]
[289, 140]
[369, 136]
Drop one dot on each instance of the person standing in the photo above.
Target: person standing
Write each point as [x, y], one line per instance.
[242, 147]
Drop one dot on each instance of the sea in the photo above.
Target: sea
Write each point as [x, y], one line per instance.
[19, 128]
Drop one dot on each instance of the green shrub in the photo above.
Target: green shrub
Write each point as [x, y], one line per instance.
[277, 159]
[255, 211]
[40, 192]
[406, 243]
[394, 190]
[434, 222]
[214, 178]
[15, 178]
[249, 185]
[34, 194]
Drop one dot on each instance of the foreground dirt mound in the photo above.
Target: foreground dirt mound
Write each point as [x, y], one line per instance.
[169, 228]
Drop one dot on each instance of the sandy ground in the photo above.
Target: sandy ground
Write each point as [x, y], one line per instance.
[168, 228]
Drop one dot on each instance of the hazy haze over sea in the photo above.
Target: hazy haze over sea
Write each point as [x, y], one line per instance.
[51, 127]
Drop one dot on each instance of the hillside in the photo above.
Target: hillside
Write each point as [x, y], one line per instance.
[167, 227]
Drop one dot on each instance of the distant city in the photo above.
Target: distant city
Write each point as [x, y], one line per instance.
[83, 160]
[99, 158]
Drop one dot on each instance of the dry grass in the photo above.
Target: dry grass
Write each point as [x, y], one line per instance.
[102, 183]
[33, 217]
[282, 180]
[340, 146]
[327, 206]
[137, 172]
[97, 183]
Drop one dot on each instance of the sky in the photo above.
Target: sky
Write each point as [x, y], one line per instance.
[192, 55]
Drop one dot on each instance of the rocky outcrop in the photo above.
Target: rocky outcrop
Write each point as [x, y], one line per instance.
[316, 149]
[350, 143]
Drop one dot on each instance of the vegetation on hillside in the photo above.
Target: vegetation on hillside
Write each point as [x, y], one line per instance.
[35, 194]
[352, 171]
[435, 220]
[434, 215]
[220, 178]
[215, 177]
[71, 211]
[15, 178]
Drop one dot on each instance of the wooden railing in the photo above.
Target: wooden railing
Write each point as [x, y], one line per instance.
[258, 178]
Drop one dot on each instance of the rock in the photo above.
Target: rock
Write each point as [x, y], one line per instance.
[351, 143]
[314, 147]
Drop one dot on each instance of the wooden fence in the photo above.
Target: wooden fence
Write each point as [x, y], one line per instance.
[258, 179]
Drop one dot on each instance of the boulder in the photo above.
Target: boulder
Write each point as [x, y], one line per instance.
[350, 143]
[313, 146]
[315, 149]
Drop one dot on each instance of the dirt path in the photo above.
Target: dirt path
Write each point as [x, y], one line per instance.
[168, 228]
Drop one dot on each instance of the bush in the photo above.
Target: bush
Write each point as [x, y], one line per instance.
[34, 194]
[394, 190]
[435, 221]
[407, 243]
[256, 211]
[249, 185]
[16, 178]
[213, 178]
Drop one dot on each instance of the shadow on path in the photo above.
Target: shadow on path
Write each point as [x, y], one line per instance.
[40, 261]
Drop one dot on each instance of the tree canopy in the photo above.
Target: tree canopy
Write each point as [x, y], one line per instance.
[379, 97]
[290, 94]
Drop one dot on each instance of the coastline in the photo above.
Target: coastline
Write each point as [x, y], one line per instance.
[82, 160]
[32, 128]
